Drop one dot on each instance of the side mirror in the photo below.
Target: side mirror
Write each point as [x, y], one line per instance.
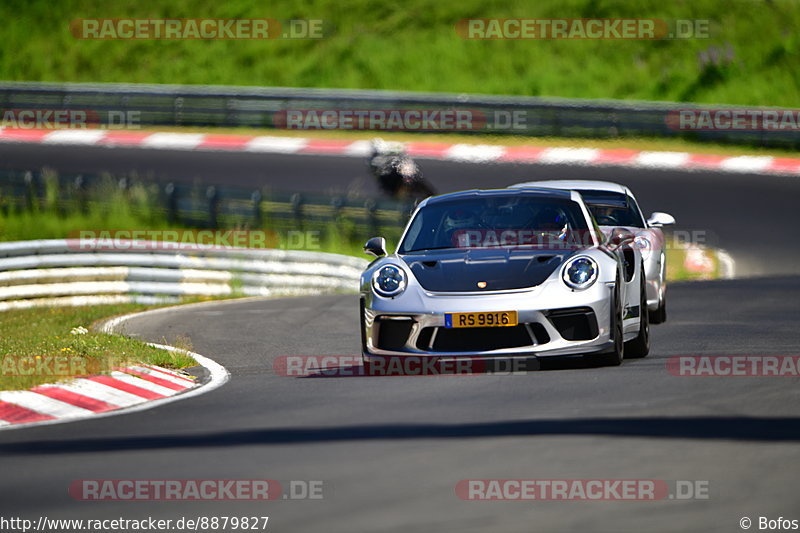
[620, 237]
[376, 246]
[659, 219]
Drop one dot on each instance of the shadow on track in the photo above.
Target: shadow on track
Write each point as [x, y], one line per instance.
[785, 429]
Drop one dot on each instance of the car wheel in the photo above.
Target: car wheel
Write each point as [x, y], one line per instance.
[615, 356]
[640, 346]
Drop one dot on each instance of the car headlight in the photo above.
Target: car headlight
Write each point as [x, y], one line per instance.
[644, 245]
[389, 280]
[580, 273]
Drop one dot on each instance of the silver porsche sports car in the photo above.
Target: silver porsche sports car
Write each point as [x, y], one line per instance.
[613, 205]
[501, 274]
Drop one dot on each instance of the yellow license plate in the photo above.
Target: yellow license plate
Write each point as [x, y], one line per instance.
[492, 319]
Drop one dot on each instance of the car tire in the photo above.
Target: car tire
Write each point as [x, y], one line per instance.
[640, 346]
[659, 316]
[615, 356]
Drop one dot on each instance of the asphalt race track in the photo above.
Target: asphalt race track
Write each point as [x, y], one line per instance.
[390, 450]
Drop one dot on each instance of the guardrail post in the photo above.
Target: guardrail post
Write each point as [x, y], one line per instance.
[372, 216]
[171, 203]
[33, 185]
[556, 132]
[213, 206]
[230, 111]
[297, 210]
[178, 110]
[337, 203]
[258, 218]
[81, 194]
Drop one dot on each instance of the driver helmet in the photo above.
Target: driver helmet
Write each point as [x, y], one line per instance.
[549, 219]
[460, 219]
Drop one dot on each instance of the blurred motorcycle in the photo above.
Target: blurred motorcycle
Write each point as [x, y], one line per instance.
[397, 174]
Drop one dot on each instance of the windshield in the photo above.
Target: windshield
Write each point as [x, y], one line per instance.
[613, 208]
[497, 222]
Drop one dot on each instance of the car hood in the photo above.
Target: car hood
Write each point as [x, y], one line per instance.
[500, 268]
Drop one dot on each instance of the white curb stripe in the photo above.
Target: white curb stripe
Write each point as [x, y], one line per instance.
[568, 155]
[173, 141]
[43, 404]
[142, 383]
[166, 376]
[746, 163]
[477, 153]
[175, 374]
[359, 149]
[74, 137]
[4, 423]
[99, 391]
[662, 159]
[280, 145]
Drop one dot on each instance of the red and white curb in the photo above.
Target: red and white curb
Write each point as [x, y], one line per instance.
[86, 396]
[126, 390]
[477, 153]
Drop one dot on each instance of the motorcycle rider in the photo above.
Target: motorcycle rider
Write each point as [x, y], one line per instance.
[397, 174]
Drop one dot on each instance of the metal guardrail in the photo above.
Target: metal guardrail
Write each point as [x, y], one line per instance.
[71, 272]
[206, 206]
[181, 105]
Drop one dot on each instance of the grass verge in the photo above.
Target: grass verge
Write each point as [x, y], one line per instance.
[686, 263]
[749, 56]
[37, 346]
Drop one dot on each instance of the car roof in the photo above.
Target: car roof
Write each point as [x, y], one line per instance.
[540, 192]
[592, 185]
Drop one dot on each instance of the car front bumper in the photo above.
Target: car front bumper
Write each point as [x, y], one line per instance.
[553, 321]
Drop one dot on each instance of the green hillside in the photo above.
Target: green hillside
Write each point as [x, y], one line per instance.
[751, 58]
